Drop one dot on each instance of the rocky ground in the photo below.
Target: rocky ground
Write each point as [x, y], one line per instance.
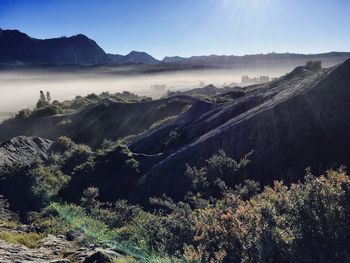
[24, 150]
[51, 249]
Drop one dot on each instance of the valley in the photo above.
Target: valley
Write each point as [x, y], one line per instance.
[174, 131]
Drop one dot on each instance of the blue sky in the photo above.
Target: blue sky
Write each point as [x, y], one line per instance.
[188, 27]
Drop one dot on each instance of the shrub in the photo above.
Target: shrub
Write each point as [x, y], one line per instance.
[314, 65]
[47, 110]
[24, 113]
[162, 122]
[281, 224]
[46, 182]
[219, 172]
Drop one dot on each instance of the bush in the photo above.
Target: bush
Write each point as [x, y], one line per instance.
[282, 224]
[314, 65]
[48, 110]
[24, 113]
[219, 173]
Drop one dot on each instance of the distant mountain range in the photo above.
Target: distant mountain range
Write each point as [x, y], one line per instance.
[17, 48]
[134, 57]
[265, 60]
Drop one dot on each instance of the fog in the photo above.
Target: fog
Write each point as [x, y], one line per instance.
[20, 89]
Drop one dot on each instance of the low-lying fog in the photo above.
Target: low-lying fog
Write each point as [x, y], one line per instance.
[20, 89]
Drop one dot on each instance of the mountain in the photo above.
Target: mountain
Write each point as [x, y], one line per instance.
[175, 59]
[134, 57]
[297, 121]
[19, 48]
[261, 60]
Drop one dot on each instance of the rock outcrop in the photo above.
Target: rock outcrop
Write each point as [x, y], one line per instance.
[24, 149]
[52, 249]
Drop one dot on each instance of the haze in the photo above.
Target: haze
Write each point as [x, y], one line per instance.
[21, 89]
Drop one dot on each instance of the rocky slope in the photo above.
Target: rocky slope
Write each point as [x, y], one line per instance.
[300, 120]
[24, 150]
[52, 249]
[18, 48]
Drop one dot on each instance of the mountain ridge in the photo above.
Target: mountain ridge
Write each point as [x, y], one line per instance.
[134, 57]
[81, 50]
[19, 48]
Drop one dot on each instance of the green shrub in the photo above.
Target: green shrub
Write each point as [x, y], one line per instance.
[48, 110]
[47, 181]
[24, 113]
[163, 121]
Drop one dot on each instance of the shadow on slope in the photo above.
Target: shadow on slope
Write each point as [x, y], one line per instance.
[107, 120]
[300, 120]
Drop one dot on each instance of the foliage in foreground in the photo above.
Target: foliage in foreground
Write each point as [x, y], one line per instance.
[220, 220]
[230, 223]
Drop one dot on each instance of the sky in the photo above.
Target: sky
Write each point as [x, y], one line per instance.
[188, 27]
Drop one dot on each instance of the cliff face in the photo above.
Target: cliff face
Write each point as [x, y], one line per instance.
[24, 150]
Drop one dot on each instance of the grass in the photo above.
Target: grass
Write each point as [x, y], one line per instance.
[30, 240]
[10, 224]
[163, 121]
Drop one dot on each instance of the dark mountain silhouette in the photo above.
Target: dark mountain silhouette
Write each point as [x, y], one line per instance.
[175, 59]
[18, 48]
[134, 57]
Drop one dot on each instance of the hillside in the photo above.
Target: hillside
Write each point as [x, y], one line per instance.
[18, 48]
[71, 192]
[108, 119]
[298, 121]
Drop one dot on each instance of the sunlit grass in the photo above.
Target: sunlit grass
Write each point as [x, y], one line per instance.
[29, 240]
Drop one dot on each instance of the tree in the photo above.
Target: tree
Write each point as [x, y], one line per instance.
[42, 102]
[48, 96]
